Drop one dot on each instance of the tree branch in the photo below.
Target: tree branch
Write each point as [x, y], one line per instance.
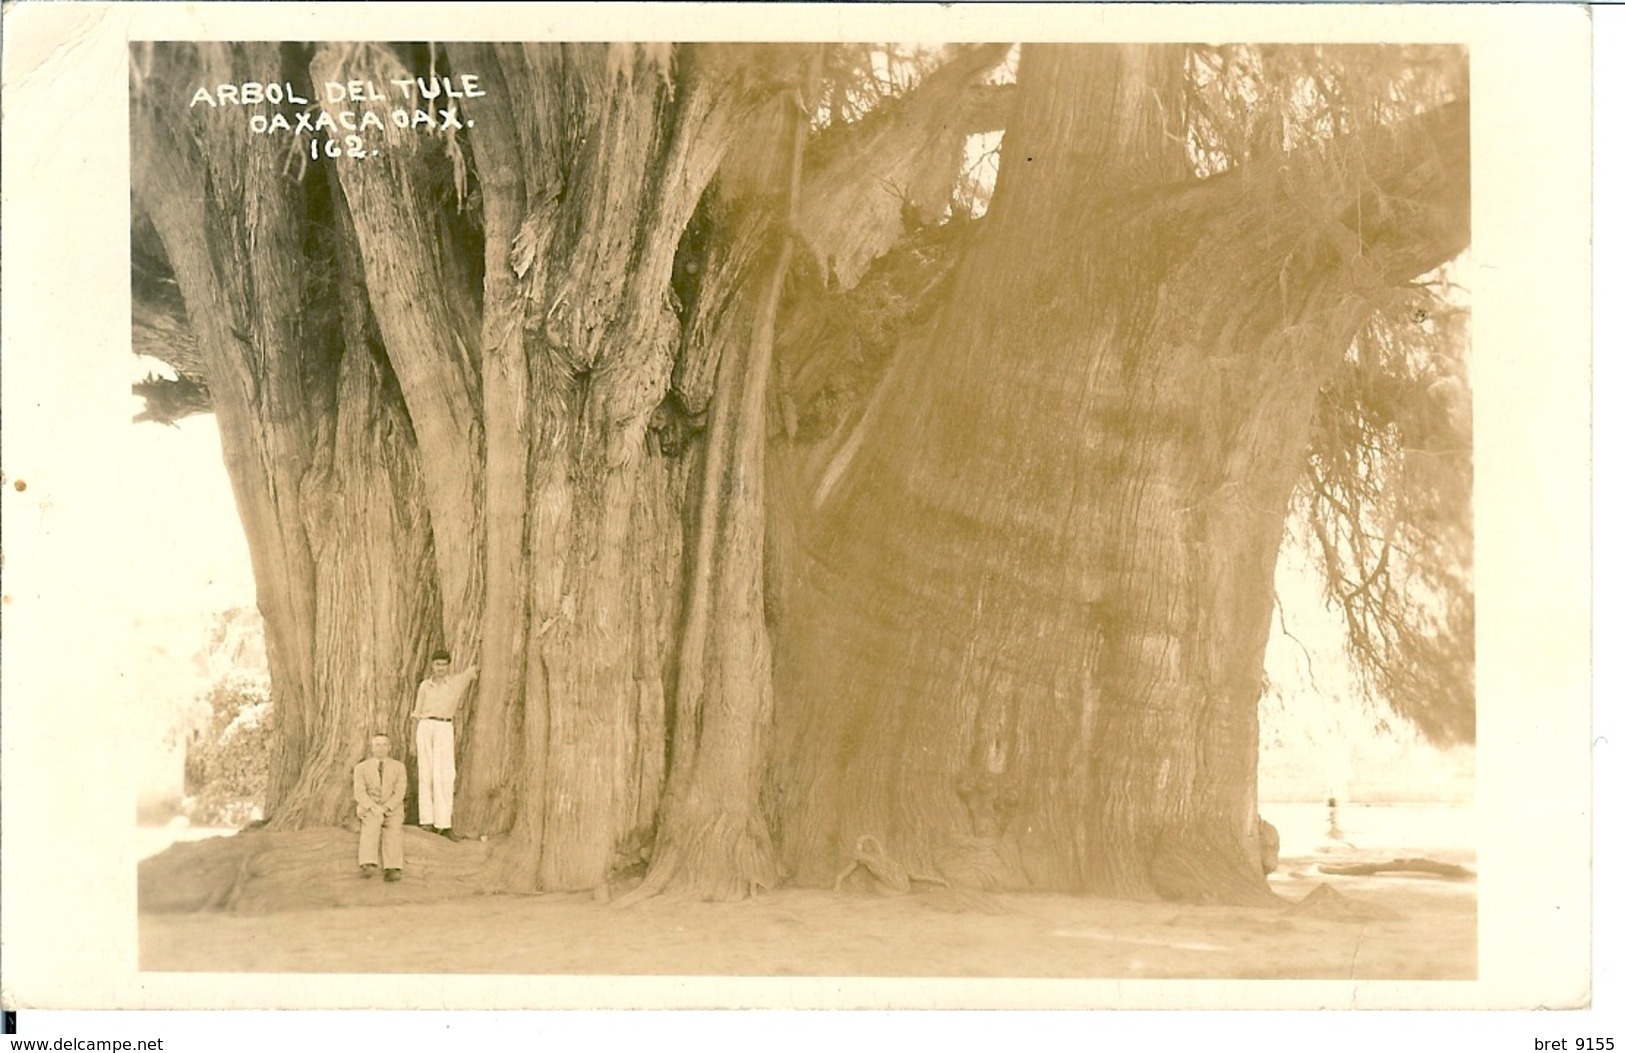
[1386, 204]
[160, 329]
[986, 108]
[904, 156]
[159, 326]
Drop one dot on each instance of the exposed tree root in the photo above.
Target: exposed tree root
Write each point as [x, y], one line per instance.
[869, 857]
[726, 859]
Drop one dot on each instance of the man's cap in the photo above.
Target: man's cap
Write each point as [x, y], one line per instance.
[441, 656]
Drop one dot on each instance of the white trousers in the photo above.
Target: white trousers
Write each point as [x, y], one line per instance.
[437, 772]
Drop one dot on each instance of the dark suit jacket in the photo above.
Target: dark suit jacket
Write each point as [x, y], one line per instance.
[371, 791]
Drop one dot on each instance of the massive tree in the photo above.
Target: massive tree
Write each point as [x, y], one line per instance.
[783, 497]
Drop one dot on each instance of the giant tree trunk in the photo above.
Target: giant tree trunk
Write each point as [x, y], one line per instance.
[317, 443]
[521, 412]
[589, 212]
[377, 601]
[713, 837]
[1022, 639]
[1028, 646]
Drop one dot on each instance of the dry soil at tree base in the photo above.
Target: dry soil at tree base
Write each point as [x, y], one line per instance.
[1428, 931]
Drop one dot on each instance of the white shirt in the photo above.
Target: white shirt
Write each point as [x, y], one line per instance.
[440, 699]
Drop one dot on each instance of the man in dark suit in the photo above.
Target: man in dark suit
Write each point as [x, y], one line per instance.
[380, 795]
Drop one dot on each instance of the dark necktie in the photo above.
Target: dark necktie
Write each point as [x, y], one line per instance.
[382, 792]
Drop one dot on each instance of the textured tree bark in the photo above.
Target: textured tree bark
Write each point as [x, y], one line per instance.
[1027, 648]
[377, 605]
[594, 256]
[429, 317]
[316, 442]
[491, 755]
[242, 295]
[713, 837]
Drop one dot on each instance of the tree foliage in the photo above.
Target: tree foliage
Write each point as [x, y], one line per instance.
[1387, 489]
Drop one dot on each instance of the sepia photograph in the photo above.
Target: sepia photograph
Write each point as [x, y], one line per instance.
[861, 482]
[936, 506]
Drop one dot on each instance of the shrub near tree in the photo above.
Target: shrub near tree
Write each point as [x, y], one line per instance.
[227, 760]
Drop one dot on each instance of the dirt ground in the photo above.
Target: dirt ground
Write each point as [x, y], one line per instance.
[1418, 927]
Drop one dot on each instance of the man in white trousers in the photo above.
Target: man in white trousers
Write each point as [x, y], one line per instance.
[438, 699]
